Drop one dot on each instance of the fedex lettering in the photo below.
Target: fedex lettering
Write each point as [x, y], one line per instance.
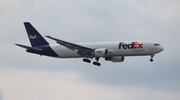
[133, 45]
[34, 37]
[99, 51]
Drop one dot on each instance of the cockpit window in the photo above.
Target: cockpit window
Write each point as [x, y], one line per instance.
[156, 44]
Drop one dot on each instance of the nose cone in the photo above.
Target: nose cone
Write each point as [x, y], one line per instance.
[161, 49]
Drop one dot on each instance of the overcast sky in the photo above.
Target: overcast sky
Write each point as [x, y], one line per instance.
[25, 76]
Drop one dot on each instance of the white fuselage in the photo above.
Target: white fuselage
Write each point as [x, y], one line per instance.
[118, 48]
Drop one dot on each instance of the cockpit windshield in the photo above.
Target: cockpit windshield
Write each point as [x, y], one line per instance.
[156, 44]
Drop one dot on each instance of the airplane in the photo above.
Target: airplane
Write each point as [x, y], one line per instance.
[110, 51]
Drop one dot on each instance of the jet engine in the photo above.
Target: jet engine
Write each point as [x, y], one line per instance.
[102, 52]
[115, 59]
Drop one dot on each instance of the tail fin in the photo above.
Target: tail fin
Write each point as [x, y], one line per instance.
[34, 37]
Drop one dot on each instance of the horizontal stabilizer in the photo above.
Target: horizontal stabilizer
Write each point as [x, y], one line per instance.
[28, 47]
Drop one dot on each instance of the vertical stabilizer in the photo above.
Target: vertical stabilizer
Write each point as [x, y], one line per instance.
[34, 37]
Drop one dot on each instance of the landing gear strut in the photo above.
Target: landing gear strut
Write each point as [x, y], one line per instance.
[151, 58]
[96, 62]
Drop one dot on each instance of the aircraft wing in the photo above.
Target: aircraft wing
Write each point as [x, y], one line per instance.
[82, 50]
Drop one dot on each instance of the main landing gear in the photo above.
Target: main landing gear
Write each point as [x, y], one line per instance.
[87, 60]
[151, 58]
[94, 63]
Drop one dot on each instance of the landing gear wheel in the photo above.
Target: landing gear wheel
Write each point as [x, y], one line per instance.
[151, 60]
[96, 63]
[87, 60]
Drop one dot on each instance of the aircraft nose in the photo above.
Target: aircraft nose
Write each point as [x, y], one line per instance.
[161, 48]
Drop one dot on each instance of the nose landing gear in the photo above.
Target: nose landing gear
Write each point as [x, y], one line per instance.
[151, 58]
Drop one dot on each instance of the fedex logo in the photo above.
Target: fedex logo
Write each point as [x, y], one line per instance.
[99, 51]
[34, 37]
[133, 45]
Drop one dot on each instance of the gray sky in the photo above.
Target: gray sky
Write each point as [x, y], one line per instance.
[1, 94]
[25, 76]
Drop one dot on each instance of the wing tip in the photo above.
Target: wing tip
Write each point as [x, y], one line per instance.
[47, 36]
[17, 44]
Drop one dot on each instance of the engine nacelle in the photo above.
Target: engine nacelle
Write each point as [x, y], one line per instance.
[115, 59]
[102, 52]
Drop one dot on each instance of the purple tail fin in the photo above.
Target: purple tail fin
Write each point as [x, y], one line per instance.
[34, 37]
